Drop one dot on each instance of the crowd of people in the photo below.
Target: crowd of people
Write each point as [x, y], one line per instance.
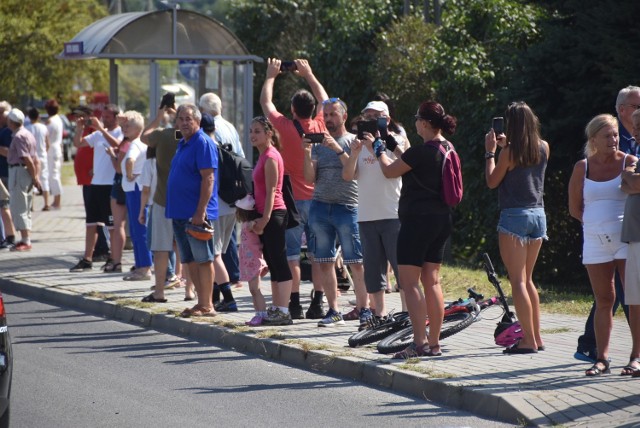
[366, 198]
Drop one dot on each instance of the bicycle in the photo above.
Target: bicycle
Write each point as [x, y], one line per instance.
[379, 328]
[460, 317]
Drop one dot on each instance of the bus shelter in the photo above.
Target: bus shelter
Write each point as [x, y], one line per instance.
[170, 50]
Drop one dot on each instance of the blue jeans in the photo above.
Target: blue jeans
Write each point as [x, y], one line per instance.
[138, 231]
[293, 236]
[231, 260]
[328, 222]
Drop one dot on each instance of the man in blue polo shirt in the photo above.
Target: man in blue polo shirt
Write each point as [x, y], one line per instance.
[192, 191]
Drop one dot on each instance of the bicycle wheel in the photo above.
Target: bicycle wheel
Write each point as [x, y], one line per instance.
[451, 325]
[373, 334]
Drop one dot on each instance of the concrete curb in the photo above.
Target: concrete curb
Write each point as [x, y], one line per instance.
[374, 373]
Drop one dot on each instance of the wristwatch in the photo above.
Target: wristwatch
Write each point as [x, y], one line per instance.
[489, 155]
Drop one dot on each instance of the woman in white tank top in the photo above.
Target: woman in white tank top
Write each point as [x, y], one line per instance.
[596, 200]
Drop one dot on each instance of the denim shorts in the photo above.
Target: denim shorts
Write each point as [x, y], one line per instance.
[191, 249]
[526, 224]
[328, 222]
[293, 236]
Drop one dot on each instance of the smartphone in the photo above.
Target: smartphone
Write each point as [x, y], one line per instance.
[288, 66]
[382, 126]
[87, 122]
[178, 135]
[498, 125]
[168, 100]
[315, 138]
[370, 126]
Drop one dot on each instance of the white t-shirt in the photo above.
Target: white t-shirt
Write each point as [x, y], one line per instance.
[377, 195]
[40, 133]
[55, 130]
[138, 152]
[149, 178]
[103, 170]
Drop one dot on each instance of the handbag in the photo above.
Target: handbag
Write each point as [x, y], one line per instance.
[293, 216]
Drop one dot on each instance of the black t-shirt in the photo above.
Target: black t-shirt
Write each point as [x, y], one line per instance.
[422, 186]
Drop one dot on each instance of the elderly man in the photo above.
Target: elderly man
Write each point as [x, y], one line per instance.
[227, 268]
[23, 176]
[7, 232]
[191, 200]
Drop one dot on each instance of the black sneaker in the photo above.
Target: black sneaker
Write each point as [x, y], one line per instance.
[315, 311]
[100, 257]
[296, 312]
[82, 265]
[6, 245]
[227, 306]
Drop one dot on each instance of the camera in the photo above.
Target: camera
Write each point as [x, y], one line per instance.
[87, 122]
[498, 125]
[288, 66]
[370, 126]
[178, 135]
[315, 138]
[168, 100]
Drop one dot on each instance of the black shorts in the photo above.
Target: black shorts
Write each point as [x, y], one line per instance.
[422, 238]
[116, 191]
[97, 205]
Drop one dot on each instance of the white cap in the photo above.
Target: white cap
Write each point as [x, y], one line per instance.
[15, 115]
[247, 203]
[377, 106]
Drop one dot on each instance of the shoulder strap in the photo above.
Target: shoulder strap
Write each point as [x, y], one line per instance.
[298, 126]
[624, 161]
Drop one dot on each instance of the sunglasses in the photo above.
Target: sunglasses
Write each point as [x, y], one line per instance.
[333, 101]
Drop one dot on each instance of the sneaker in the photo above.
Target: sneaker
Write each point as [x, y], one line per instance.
[296, 312]
[82, 265]
[6, 245]
[332, 318]
[137, 275]
[255, 321]
[353, 315]
[227, 306]
[365, 317]
[21, 246]
[171, 282]
[589, 356]
[277, 317]
[315, 312]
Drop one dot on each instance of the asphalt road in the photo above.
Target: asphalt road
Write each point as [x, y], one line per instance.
[76, 370]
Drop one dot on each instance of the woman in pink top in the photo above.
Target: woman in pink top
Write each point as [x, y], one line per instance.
[272, 223]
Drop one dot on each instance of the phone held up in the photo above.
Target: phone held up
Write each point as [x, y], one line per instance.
[315, 138]
[498, 125]
[178, 135]
[370, 126]
[288, 66]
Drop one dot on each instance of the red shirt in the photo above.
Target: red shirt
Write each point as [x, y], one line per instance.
[292, 151]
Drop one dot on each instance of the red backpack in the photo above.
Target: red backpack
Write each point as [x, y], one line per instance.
[452, 187]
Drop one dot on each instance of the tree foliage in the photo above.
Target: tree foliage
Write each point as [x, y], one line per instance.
[32, 34]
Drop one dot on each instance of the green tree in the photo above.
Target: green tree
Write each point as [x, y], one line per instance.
[465, 64]
[32, 34]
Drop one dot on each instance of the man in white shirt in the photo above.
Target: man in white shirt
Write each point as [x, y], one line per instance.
[97, 200]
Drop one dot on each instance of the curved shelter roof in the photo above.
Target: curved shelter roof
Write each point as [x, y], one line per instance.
[166, 34]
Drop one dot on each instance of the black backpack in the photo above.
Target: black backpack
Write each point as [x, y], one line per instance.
[235, 175]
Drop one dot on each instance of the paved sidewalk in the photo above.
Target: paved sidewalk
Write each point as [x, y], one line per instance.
[547, 388]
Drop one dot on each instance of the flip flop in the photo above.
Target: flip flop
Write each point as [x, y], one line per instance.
[151, 299]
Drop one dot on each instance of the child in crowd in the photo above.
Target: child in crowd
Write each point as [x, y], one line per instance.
[252, 265]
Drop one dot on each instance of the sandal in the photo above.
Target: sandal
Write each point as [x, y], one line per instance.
[110, 267]
[515, 350]
[197, 311]
[152, 299]
[413, 351]
[630, 369]
[595, 370]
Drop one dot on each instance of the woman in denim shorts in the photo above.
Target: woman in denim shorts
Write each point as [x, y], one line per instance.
[519, 176]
